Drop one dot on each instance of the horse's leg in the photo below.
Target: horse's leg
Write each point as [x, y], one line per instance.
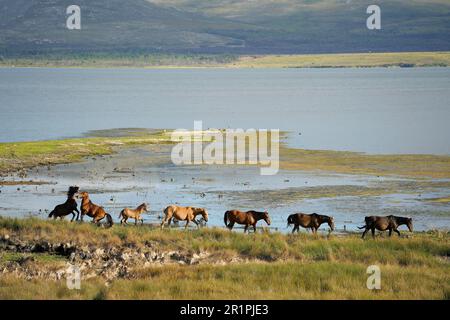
[78, 213]
[254, 227]
[373, 232]
[187, 222]
[195, 221]
[398, 232]
[73, 216]
[135, 221]
[230, 226]
[390, 232]
[364, 233]
[245, 228]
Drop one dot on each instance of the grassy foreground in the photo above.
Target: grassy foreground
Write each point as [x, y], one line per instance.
[271, 265]
[348, 60]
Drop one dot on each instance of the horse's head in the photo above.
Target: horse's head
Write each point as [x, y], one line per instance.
[266, 217]
[73, 190]
[82, 195]
[331, 223]
[290, 220]
[203, 212]
[144, 207]
[409, 224]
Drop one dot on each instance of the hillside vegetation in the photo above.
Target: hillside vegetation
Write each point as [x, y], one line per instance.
[35, 27]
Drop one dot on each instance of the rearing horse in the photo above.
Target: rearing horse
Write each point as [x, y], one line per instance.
[249, 218]
[93, 210]
[187, 214]
[68, 207]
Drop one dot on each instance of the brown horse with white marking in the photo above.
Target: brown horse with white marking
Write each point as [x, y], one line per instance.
[249, 218]
[92, 210]
[135, 214]
[312, 221]
[390, 223]
[187, 214]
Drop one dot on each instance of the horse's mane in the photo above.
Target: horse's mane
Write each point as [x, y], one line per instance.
[72, 191]
[399, 219]
[142, 205]
[258, 213]
[322, 217]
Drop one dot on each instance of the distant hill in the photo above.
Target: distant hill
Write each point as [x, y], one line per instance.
[222, 26]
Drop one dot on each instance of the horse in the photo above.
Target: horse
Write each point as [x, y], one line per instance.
[312, 221]
[249, 218]
[92, 210]
[68, 207]
[187, 214]
[390, 223]
[133, 213]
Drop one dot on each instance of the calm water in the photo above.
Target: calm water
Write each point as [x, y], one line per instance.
[371, 110]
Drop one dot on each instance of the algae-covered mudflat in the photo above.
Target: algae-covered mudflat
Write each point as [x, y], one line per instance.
[146, 263]
[125, 167]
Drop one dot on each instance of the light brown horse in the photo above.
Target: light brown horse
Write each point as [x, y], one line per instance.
[390, 223]
[92, 210]
[68, 207]
[312, 221]
[135, 214]
[187, 214]
[249, 218]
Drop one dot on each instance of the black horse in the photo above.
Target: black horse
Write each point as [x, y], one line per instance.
[67, 207]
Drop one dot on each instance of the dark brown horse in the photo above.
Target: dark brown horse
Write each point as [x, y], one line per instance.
[67, 207]
[249, 218]
[92, 210]
[390, 223]
[312, 221]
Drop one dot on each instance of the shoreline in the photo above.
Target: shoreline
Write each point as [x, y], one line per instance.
[289, 61]
[17, 157]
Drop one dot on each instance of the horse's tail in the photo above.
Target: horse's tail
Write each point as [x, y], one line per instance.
[363, 227]
[121, 213]
[225, 218]
[51, 213]
[289, 221]
[109, 219]
[166, 211]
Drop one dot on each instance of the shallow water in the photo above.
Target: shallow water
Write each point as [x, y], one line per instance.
[131, 177]
[379, 110]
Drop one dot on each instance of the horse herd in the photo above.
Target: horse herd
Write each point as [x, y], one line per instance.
[250, 218]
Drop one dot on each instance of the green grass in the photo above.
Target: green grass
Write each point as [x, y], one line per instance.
[279, 266]
[407, 165]
[283, 280]
[15, 156]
